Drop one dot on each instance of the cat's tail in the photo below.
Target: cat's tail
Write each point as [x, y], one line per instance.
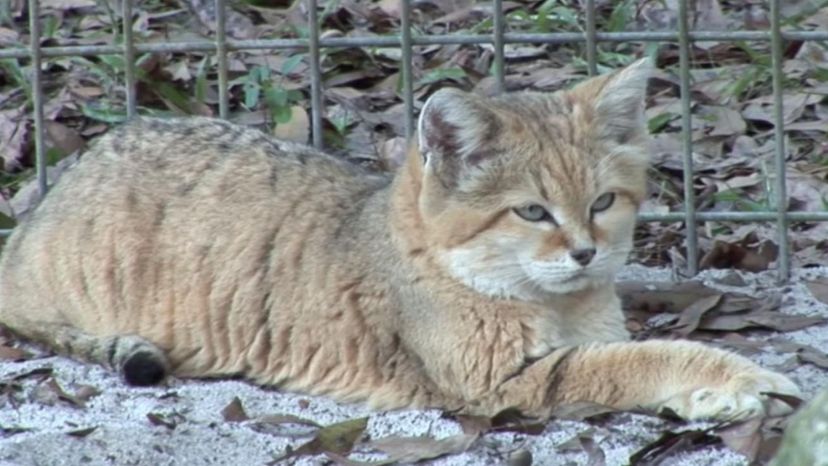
[139, 361]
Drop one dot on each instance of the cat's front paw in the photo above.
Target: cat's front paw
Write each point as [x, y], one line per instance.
[741, 397]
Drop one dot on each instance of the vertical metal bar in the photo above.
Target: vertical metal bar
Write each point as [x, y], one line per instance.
[779, 136]
[407, 72]
[37, 95]
[687, 140]
[591, 44]
[499, 27]
[129, 59]
[316, 75]
[221, 58]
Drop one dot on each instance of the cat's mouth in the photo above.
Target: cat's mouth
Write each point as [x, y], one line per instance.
[574, 282]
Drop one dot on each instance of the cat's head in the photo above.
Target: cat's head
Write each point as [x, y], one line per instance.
[528, 194]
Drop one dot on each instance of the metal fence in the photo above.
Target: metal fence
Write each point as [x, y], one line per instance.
[406, 41]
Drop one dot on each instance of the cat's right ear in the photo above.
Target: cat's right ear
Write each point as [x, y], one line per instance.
[436, 133]
[454, 128]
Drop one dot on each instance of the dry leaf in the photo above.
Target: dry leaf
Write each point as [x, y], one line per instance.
[508, 420]
[595, 455]
[80, 433]
[689, 319]
[670, 443]
[336, 438]
[416, 449]
[11, 353]
[764, 320]
[158, 419]
[277, 419]
[66, 140]
[725, 255]
[819, 288]
[52, 385]
[86, 392]
[520, 457]
[297, 129]
[744, 437]
[234, 412]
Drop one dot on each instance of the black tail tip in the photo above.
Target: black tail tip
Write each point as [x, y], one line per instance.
[143, 369]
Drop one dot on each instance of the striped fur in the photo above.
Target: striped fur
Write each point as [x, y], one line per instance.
[204, 249]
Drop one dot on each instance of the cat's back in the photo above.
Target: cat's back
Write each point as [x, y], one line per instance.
[185, 201]
[179, 158]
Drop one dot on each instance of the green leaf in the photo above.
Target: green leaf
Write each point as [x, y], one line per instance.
[6, 222]
[276, 97]
[621, 16]
[291, 63]
[170, 93]
[336, 438]
[440, 74]
[115, 62]
[282, 115]
[295, 96]
[660, 121]
[105, 114]
[251, 94]
[201, 79]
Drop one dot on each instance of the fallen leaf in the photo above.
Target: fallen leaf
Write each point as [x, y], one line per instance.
[80, 433]
[818, 288]
[66, 140]
[669, 443]
[416, 449]
[657, 297]
[764, 320]
[67, 4]
[595, 455]
[158, 419]
[42, 372]
[520, 457]
[86, 392]
[336, 438]
[297, 129]
[53, 385]
[14, 134]
[234, 412]
[793, 401]
[277, 419]
[689, 319]
[724, 255]
[508, 420]
[743, 437]
[11, 353]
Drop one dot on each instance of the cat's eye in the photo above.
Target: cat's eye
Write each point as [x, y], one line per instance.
[603, 202]
[534, 213]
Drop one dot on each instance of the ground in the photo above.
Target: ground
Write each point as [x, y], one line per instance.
[189, 421]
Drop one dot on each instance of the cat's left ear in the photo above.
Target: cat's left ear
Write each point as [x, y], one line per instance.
[618, 100]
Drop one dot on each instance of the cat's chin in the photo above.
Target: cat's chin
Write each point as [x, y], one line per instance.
[570, 285]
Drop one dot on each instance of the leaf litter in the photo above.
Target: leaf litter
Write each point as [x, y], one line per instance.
[731, 130]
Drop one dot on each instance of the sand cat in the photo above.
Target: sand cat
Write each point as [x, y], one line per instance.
[479, 277]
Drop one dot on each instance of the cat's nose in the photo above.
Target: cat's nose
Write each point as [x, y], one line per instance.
[583, 256]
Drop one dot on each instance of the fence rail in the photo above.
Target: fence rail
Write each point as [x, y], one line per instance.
[406, 40]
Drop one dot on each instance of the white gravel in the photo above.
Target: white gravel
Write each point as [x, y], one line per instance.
[125, 436]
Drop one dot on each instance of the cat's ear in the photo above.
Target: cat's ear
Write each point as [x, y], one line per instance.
[455, 130]
[618, 100]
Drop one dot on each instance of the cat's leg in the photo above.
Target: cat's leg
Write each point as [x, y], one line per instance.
[694, 380]
[138, 360]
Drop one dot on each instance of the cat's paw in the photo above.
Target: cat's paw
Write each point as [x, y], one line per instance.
[743, 396]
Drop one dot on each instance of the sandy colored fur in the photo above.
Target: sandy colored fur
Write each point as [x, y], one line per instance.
[235, 254]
